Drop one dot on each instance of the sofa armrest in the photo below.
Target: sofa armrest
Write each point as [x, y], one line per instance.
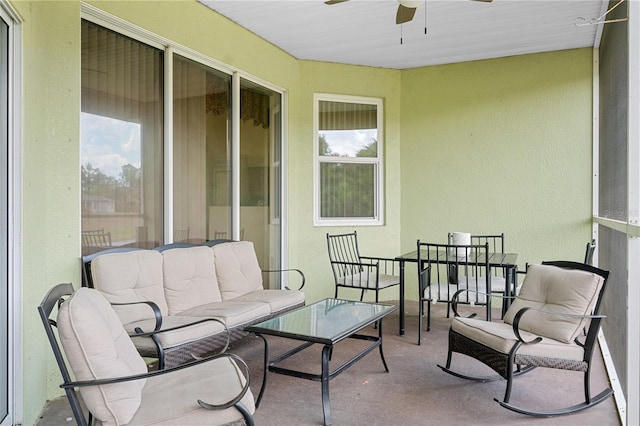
[279, 271]
[154, 307]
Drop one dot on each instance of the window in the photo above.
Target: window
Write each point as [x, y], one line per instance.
[348, 160]
[172, 150]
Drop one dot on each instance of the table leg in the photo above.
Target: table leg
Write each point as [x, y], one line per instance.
[326, 405]
[266, 369]
[509, 279]
[401, 321]
[384, 362]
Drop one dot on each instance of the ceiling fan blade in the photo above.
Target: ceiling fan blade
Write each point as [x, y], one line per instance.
[484, 1]
[404, 14]
[340, 1]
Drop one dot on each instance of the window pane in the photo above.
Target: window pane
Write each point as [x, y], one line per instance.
[347, 190]
[201, 155]
[260, 139]
[121, 141]
[347, 129]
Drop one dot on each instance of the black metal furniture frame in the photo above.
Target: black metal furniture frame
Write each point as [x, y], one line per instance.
[274, 328]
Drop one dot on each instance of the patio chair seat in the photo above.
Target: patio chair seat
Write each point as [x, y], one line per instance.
[215, 382]
[366, 280]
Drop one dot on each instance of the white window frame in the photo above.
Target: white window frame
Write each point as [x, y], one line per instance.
[14, 278]
[378, 162]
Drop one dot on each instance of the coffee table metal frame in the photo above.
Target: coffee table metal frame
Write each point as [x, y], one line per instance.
[349, 329]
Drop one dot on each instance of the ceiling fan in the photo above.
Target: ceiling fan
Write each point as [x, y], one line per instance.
[406, 8]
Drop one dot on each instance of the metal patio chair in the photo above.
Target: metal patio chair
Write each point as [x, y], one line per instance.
[116, 387]
[351, 270]
[443, 269]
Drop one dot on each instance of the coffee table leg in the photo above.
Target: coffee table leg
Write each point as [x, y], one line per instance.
[384, 362]
[326, 405]
[266, 369]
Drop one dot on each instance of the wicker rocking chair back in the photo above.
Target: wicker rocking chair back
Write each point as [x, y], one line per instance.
[533, 335]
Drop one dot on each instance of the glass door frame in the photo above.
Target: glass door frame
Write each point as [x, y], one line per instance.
[14, 202]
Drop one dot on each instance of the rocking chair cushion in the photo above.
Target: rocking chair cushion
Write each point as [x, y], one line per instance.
[500, 337]
[98, 347]
[559, 290]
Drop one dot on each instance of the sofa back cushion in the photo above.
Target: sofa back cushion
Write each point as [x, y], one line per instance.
[551, 288]
[189, 278]
[237, 269]
[97, 347]
[134, 276]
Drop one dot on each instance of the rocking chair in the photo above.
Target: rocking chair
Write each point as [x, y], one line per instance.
[543, 327]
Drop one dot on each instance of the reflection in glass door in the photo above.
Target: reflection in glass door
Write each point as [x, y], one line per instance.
[260, 174]
[4, 222]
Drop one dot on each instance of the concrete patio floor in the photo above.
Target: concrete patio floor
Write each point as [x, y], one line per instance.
[415, 391]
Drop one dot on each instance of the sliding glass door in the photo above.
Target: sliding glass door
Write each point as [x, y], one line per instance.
[167, 155]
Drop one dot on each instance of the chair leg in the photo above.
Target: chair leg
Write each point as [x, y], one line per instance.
[428, 315]
[362, 295]
[420, 315]
[248, 418]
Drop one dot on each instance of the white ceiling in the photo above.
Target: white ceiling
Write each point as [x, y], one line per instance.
[364, 32]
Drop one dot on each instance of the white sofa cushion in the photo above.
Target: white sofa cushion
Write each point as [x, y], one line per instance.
[555, 289]
[237, 269]
[131, 277]
[97, 347]
[277, 300]
[231, 312]
[189, 278]
[177, 337]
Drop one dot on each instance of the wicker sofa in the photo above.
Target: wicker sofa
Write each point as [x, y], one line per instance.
[204, 295]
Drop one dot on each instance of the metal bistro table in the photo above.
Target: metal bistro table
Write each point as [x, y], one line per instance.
[326, 322]
[507, 261]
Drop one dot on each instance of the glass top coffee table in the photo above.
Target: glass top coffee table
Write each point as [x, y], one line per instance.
[326, 322]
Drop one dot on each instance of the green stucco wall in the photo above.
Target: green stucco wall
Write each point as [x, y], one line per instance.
[499, 145]
[50, 180]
